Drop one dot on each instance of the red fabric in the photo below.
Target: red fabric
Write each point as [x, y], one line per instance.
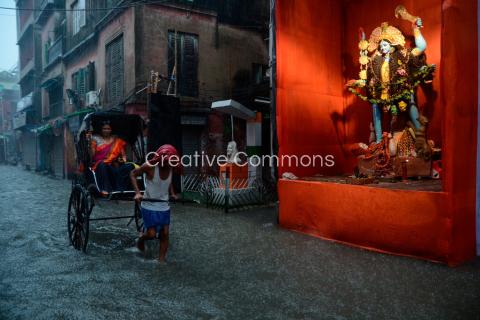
[395, 221]
[167, 155]
[316, 54]
[310, 102]
[108, 153]
[164, 154]
[459, 83]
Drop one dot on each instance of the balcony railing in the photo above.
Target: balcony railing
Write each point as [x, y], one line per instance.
[25, 69]
[92, 18]
[44, 10]
[23, 27]
[55, 51]
[45, 3]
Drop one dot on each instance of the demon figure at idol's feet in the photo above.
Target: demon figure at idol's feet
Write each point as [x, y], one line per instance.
[406, 153]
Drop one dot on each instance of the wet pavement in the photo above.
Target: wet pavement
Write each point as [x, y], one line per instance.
[234, 266]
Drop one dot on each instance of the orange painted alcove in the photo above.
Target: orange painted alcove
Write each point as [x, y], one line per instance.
[316, 51]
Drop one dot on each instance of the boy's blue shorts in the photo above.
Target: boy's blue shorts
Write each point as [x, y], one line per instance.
[155, 219]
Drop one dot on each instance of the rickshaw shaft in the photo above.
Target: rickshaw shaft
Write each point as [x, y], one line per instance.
[111, 218]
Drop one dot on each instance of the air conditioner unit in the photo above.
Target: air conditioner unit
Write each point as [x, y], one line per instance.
[92, 99]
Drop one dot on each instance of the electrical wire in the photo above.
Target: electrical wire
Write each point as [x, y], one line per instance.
[138, 3]
[126, 6]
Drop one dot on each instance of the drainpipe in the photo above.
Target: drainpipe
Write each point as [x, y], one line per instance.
[2, 105]
[478, 154]
[273, 86]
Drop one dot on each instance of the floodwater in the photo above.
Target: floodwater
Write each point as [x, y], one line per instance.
[220, 266]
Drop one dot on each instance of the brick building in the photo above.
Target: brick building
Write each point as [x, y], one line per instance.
[9, 95]
[28, 114]
[99, 54]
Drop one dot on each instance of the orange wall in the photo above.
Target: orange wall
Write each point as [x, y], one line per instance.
[373, 218]
[459, 79]
[309, 80]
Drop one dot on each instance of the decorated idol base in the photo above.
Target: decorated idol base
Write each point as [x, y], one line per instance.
[403, 154]
[398, 168]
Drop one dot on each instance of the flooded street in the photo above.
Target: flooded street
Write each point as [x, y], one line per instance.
[220, 266]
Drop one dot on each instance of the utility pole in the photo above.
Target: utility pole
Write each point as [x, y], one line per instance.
[2, 105]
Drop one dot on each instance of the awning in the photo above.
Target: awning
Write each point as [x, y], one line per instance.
[25, 102]
[43, 129]
[58, 80]
[29, 128]
[55, 125]
[79, 113]
[75, 119]
[233, 108]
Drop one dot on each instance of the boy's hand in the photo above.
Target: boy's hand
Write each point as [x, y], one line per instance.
[174, 197]
[138, 197]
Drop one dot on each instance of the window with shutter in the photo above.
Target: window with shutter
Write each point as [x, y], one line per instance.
[74, 82]
[55, 96]
[79, 17]
[91, 77]
[114, 71]
[171, 52]
[80, 84]
[186, 60]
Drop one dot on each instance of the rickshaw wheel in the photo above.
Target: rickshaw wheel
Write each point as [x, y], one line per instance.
[79, 209]
[138, 217]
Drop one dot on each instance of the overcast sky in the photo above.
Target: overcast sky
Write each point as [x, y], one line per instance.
[8, 36]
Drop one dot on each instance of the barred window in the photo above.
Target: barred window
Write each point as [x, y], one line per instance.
[114, 71]
[55, 96]
[186, 61]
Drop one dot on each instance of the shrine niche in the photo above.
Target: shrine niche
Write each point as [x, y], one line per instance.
[402, 132]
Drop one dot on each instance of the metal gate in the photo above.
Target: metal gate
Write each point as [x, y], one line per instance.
[29, 150]
[225, 193]
[190, 145]
[58, 157]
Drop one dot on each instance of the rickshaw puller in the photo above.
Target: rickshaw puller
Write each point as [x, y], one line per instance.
[158, 185]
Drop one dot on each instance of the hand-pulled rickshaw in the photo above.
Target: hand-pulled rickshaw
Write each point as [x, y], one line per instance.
[85, 185]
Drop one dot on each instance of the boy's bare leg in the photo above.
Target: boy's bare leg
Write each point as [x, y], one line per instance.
[150, 234]
[163, 243]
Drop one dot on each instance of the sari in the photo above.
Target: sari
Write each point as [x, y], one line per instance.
[107, 152]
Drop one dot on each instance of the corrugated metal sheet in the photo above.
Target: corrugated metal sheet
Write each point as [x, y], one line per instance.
[29, 150]
[58, 158]
[190, 144]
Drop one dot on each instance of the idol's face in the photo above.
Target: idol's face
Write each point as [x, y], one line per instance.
[231, 148]
[385, 47]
